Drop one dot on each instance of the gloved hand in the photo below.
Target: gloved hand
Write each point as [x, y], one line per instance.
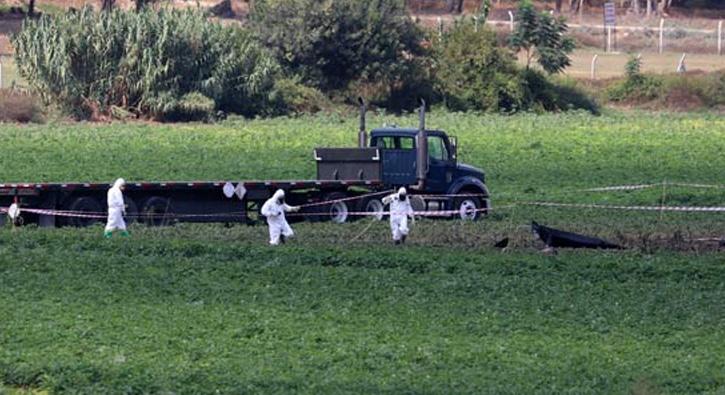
[295, 208]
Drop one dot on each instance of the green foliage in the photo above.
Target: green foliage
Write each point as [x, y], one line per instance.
[633, 68]
[205, 310]
[545, 94]
[472, 73]
[294, 97]
[330, 43]
[143, 62]
[542, 37]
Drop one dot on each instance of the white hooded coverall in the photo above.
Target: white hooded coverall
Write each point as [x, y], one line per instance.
[274, 211]
[116, 207]
[399, 212]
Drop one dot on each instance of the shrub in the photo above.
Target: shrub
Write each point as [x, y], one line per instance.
[556, 95]
[19, 107]
[294, 97]
[472, 73]
[331, 43]
[145, 62]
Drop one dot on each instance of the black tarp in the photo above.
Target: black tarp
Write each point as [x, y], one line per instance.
[559, 238]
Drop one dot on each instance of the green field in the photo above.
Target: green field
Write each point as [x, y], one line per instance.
[210, 309]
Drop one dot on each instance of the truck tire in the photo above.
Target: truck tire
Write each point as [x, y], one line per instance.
[157, 211]
[84, 204]
[374, 207]
[337, 212]
[467, 208]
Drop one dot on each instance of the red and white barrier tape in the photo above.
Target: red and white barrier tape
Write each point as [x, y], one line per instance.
[632, 208]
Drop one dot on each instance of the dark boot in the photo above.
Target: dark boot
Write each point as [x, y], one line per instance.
[281, 239]
[402, 239]
[397, 242]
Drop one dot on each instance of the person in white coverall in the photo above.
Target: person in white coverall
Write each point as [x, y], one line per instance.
[116, 209]
[274, 209]
[400, 209]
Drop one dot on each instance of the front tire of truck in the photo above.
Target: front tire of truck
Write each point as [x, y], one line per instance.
[467, 208]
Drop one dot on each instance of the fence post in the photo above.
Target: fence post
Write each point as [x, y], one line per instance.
[475, 24]
[1, 72]
[440, 27]
[594, 67]
[681, 68]
[662, 34]
[511, 20]
[719, 38]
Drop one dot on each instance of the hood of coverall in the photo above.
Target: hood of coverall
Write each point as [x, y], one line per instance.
[402, 193]
[119, 183]
[278, 195]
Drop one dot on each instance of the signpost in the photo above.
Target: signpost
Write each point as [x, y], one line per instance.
[610, 23]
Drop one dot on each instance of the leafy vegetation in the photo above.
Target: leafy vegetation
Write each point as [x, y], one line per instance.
[474, 74]
[19, 107]
[329, 44]
[207, 309]
[146, 63]
[542, 37]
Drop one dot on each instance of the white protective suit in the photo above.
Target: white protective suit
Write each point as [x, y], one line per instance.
[116, 207]
[274, 210]
[400, 209]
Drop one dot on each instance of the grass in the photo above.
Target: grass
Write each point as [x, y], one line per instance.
[612, 64]
[209, 309]
[204, 310]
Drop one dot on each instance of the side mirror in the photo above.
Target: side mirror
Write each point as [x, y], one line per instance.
[454, 148]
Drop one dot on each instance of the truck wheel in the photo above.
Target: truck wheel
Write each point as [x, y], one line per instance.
[467, 208]
[157, 211]
[337, 211]
[84, 204]
[374, 207]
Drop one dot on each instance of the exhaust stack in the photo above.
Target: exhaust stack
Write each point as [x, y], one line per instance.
[362, 137]
[421, 148]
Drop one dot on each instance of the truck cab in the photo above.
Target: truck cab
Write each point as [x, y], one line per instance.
[444, 175]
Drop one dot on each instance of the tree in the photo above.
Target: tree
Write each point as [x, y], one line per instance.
[473, 73]
[330, 43]
[542, 37]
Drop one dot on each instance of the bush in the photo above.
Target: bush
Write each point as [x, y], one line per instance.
[19, 107]
[472, 73]
[146, 63]
[294, 97]
[560, 94]
[329, 44]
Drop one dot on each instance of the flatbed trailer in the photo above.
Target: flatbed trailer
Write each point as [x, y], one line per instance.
[160, 203]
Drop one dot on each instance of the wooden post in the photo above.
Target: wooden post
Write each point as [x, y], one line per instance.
[581, 11]
[719, 38]
[662, 34]
[475, 24]
[440, 27]
[1, 72]
[511, 20]
[594, 67]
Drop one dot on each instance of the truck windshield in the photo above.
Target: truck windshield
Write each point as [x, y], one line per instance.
[437, 148]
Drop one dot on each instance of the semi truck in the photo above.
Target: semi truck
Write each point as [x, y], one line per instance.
[349, 180]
